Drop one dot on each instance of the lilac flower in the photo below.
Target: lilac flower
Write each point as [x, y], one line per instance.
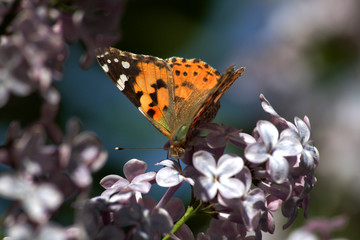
[94, 23]
[26, 151]
[144, 223]
[38, 200]
[26, 231]
[217, 177]
[220, 229]
[273, 149]
[119, 189]
[12, 81]
[171, 174]
[301, 130]
[247, 209]
[81, 154]
[219, 135]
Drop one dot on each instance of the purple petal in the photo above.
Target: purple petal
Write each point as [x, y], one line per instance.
[175, 207]
[160, 220]
[185, 232]
[291, 133]
[81, 176]
[120, 197]
[168, 163]
[109, 180]
[146, 177]
[168, 177]
[245, 177]
[120, 184]
[303, 129]
[143, 187]
[253, 204]
[134, 167]
[308, 160]
[49, 195]
[256, 153]
[37, 201]
[216, 139]
[278, 168]
[247, 138]
[110, 232]
[267, 106]
[229, 165]
[205, 163]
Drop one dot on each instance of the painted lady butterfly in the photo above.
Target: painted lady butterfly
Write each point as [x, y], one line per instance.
[174, 94]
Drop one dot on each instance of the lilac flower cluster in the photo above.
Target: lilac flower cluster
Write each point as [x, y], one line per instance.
[33, 35]
[48, 169]
[239, 193]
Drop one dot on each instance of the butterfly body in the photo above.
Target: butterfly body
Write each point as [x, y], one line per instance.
[174, 94]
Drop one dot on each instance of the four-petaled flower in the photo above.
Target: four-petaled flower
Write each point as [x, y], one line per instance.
[217, 177]
[273, 149]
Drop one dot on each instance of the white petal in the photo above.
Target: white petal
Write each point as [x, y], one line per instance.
[206, 188]
[229, 165]
[304, 130]
[278, 168]
[268, 133]
[256, 153]
[205, 163]
[231, 188]
[168, 177]
[288, 146]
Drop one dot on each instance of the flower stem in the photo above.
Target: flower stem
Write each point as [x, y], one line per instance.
[190, 212]
[167, 196]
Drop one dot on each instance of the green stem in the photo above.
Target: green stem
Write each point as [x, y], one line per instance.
[190, 212]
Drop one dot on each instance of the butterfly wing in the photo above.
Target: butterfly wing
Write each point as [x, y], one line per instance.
[209, 108]
[145, 80]
[198, 88]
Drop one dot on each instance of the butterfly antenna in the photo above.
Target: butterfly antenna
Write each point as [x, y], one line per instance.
[120, 148]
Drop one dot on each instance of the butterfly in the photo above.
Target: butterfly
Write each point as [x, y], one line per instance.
[176, 94]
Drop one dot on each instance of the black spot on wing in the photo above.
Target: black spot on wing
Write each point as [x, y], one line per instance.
[187, 84]
[139, 94]
[154, 99]
[160, 84]
[151, 113]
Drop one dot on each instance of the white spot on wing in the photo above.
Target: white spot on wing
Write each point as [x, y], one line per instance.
[121, 85]
[121, 81]
[125, 64]
[109, 61]
[105, 67]
[116, 60]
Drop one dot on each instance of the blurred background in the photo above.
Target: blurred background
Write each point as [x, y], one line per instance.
[304, 56]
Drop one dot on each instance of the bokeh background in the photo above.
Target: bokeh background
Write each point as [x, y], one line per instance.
[304, 56]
